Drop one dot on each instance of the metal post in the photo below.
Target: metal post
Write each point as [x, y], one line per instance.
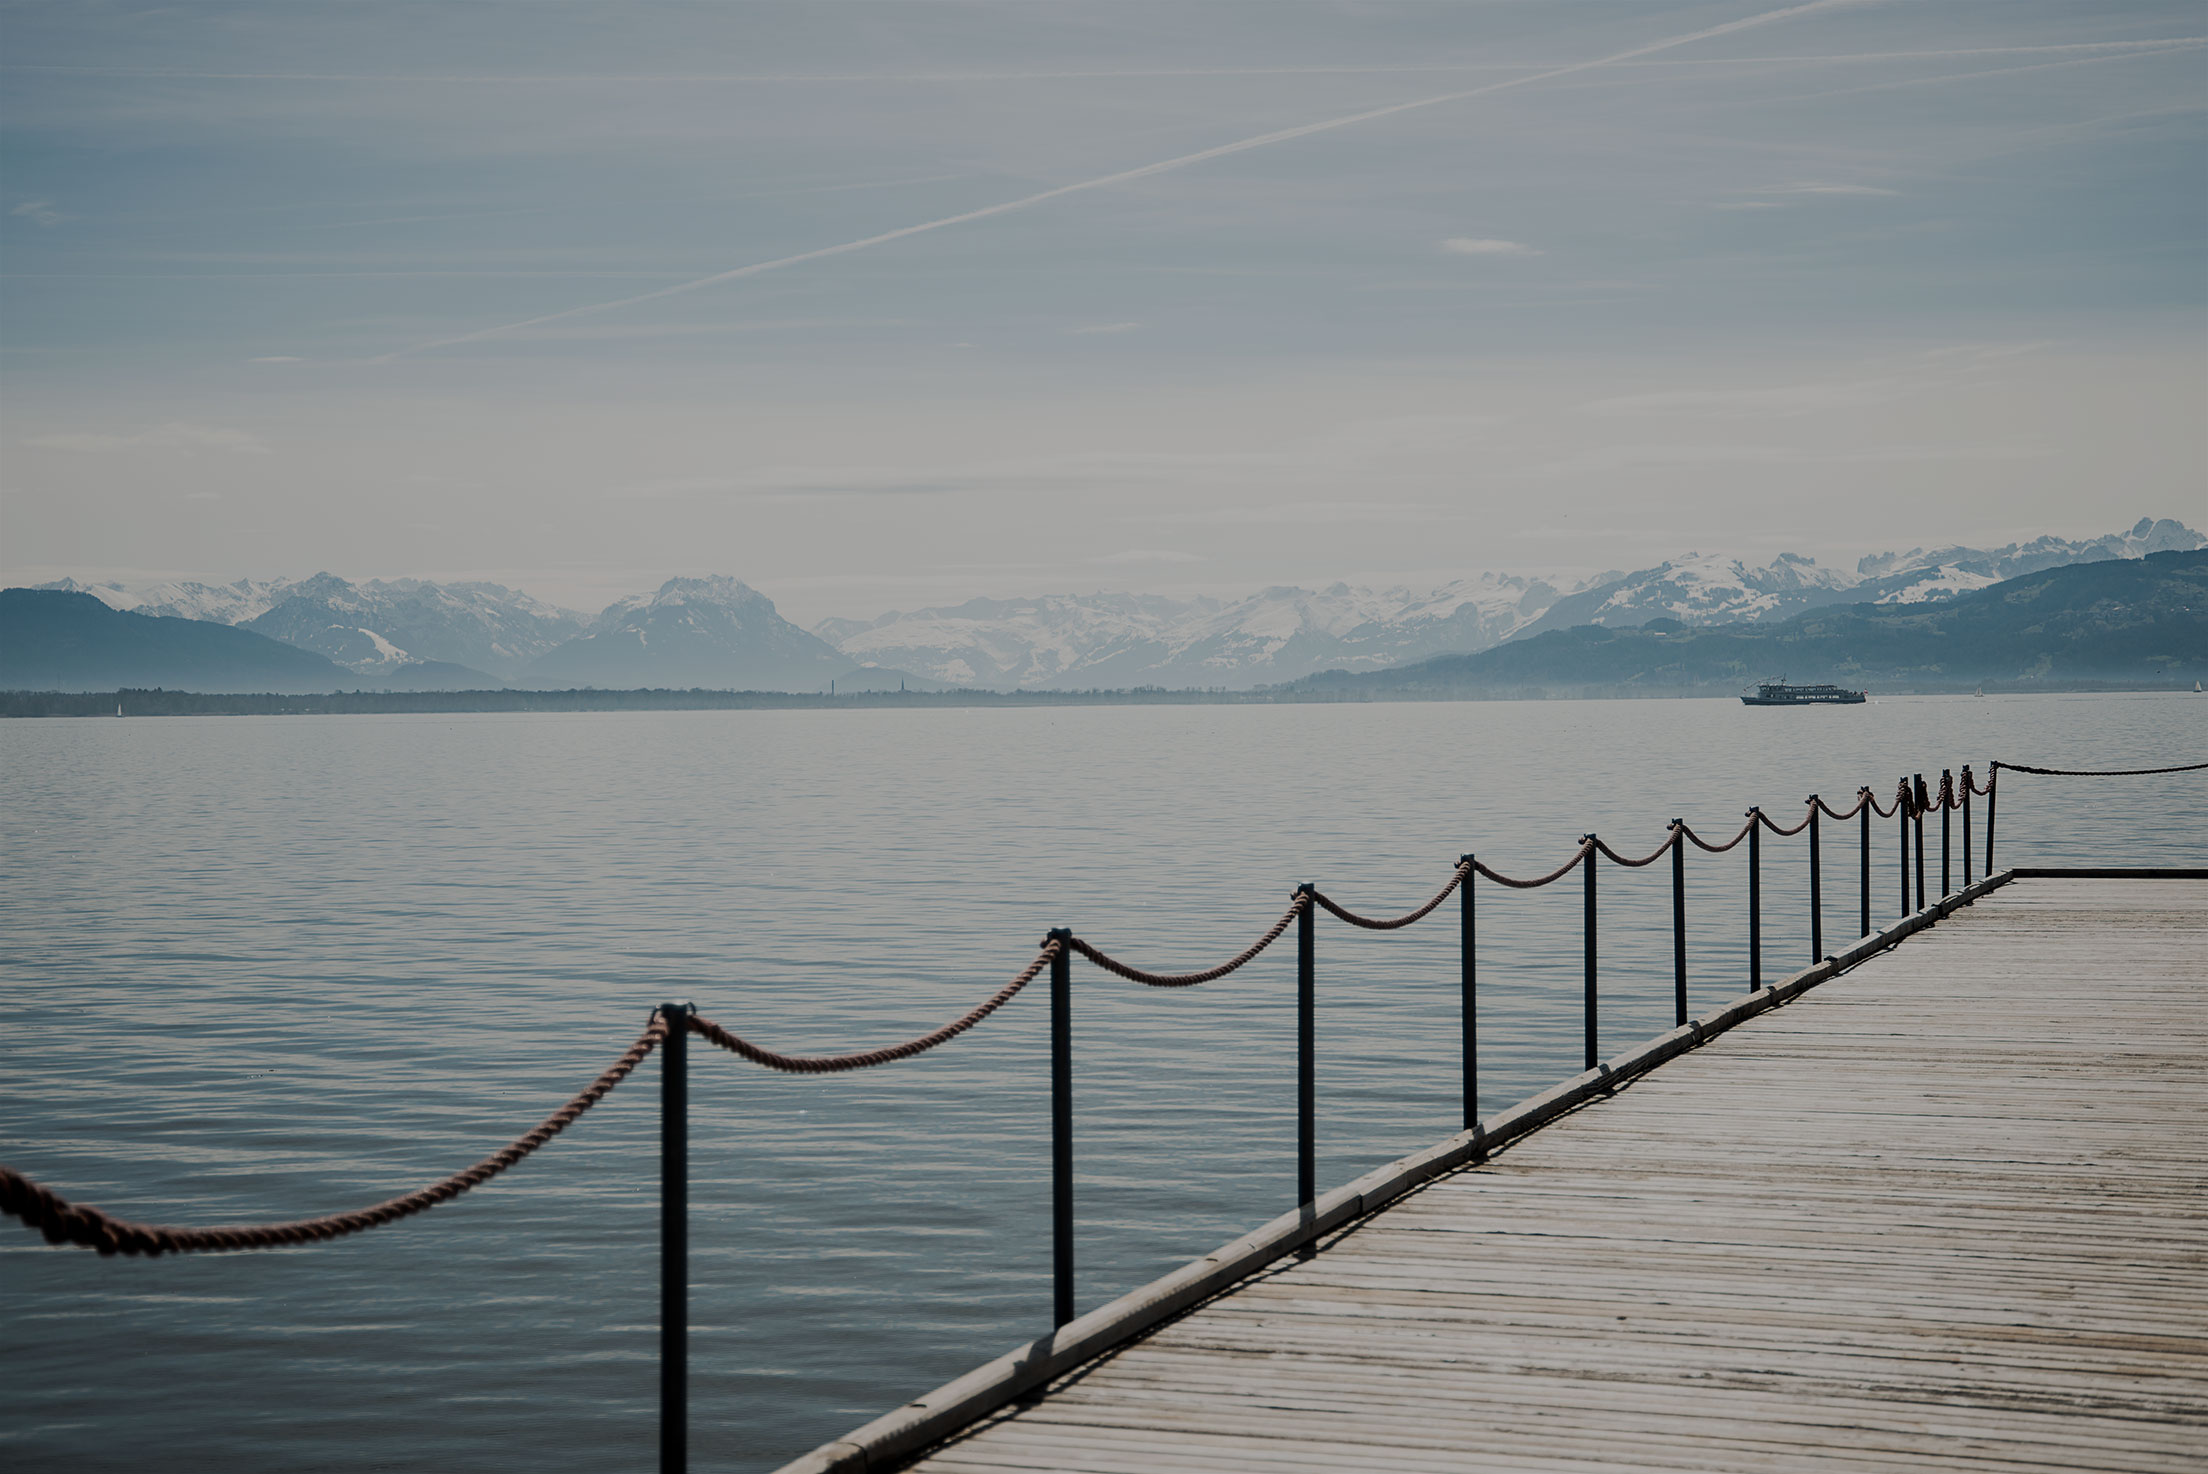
[1865, 812]
[1901, 816]
[1061, 1128]
[1307, 1065]
[1592, 854]
[1947, 830]
[1966, 826]
[1679, 921]
[1755, 900]
[1993, 795]
[1468, 979]
[1919, 804]
[1816, 888]
[674, 1241]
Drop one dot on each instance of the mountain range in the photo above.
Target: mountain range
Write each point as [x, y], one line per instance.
[2117, 622]
[720, 633]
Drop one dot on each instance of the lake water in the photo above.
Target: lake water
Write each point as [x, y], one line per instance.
[260, 968]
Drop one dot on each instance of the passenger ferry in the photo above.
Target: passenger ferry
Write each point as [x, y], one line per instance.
[1779, 693]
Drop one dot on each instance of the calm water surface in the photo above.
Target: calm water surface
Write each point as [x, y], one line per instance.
[260, 968]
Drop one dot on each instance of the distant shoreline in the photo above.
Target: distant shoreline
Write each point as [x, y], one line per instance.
[158, 702]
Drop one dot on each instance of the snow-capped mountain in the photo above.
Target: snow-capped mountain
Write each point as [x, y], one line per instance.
[378, 626]
[1714, 590]
[227, 603]
[1109, 640]
[718, 632]
[374, 628]
[1280, 634]
[712, 632]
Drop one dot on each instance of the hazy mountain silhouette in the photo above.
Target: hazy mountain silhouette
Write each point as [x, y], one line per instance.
[712, 632]
[51, 640]
[2125, 621]
[56, 640]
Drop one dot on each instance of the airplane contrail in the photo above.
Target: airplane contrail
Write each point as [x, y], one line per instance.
[1124, 176]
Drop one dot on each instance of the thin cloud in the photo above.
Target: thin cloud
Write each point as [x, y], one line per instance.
[1107, 327]
[1124, 176]
[177, 435]
[1148, 555]
[38, 212]
[1855, 189]
[1474, 245]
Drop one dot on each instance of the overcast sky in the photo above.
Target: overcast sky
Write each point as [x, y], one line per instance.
[875, 305]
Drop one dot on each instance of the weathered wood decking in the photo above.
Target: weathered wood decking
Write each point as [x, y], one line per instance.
[1947, 1211]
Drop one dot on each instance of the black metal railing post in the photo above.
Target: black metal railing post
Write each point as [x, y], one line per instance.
[1993, 794]
[1865, 812]
[1755, 900]
[1679, 921]
[1061, 1129]
[1901, 817]
[1920, 802]
[1966, 826]
[1816, 888]
[1947, 830]
[1468, 978]
[674, 1240]
[1592, 855]
[1307, 1050]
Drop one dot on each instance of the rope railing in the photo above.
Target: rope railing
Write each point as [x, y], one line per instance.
[1717, 849]
[830, 1064]
[62, 1222]
[1191, 979]
[1456, 878]
[2095, 772]
[1671, 839]
[1578, 856]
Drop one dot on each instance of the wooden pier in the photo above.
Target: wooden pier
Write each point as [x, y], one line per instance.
[1946, 1210]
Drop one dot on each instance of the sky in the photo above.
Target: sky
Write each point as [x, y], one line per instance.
[882, 305]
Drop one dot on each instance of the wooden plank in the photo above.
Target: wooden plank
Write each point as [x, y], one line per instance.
[1945, 1211]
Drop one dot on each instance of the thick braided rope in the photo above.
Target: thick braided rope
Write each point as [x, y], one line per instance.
[2092, 772]
[1369, 923]
[63, 1222]
[1718, 849]
[1872, 800]
[1526, 885]
[1670, 839]
[1862, 797]
[829, 1064]
[1191, 979]
[1767, 822]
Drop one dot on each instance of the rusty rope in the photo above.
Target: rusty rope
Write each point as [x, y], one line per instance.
[2091, 772]
[829, 1064]
[64, 1222]
[1718, 849]
[1209, 974]
[1670, 839]
[1526, 885]
[1456, 878]
[1872, 800]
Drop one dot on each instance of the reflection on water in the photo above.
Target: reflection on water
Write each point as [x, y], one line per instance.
[260, 968]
